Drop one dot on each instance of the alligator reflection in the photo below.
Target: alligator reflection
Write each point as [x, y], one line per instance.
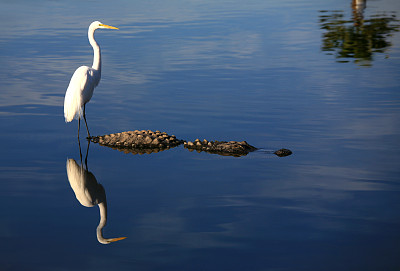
[89, 192]
[358, 38]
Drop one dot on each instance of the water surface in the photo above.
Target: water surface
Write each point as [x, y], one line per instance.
[310, 76]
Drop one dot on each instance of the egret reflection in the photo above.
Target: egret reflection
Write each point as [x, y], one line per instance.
[358, 38]
[89, 192]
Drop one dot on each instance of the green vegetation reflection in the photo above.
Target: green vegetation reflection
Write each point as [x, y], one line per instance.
[358, 38]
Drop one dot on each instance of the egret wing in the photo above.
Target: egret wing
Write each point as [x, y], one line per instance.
[79, 91]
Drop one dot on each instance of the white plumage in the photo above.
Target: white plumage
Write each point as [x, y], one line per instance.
[83, 81]
[89, 193]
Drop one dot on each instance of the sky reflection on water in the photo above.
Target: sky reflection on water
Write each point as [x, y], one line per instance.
[224, 70]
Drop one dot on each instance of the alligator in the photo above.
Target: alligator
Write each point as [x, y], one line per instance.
[138, 142]
[147, 141]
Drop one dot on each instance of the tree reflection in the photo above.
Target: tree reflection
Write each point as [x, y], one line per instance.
[358, 38]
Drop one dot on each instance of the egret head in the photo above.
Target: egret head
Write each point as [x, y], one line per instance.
[106, 241]
[96, 25]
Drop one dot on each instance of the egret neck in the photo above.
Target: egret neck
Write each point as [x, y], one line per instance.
[96, 51]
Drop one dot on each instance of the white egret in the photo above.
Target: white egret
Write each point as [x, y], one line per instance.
[89, 193]
[83, 81]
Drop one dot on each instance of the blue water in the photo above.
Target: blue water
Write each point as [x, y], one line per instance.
[258, 71]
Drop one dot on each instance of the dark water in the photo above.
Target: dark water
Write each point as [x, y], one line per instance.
[318, 77]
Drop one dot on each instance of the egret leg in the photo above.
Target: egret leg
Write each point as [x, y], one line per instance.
[84, 117]
[87, 153]
[80, 151]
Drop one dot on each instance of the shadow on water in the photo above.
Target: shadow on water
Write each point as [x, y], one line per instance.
[89, 192]
[358, 38]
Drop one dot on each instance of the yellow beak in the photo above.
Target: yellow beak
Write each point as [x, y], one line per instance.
[119, 238]
[109, 26]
